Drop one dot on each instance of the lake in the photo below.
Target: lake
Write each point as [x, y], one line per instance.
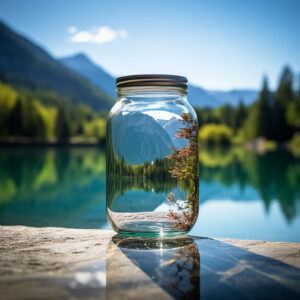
[243, 194]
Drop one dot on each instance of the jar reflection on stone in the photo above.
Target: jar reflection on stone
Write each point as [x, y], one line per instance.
[173, 264]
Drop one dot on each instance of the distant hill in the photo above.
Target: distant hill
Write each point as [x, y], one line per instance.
[233, 97]
[24, 63]
[198, 97]
[77, 77]
[81, 64]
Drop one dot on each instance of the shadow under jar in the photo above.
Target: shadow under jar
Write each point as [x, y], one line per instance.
[152, 170]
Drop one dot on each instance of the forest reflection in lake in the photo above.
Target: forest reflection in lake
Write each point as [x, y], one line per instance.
[242, 194]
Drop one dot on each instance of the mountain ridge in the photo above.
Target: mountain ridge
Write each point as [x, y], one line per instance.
[198, 96]
[83, 65]
[22, 62]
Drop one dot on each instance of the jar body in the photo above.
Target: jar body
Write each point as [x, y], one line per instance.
[152, 163]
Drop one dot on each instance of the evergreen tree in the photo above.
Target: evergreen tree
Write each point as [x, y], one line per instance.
[297, 123]
[80, 129]
[293, 113]
[24, 120]
[266, 107]
[298, 94]
[239, 116]
[62, 130]
[226, 115]
[33, 124]
[15, 120]
[250, 126]
[260, 120]
[284, 96]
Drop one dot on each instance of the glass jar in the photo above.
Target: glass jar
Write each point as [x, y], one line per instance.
[152, 170]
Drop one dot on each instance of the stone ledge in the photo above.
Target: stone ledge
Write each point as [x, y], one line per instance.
[288, 253]
[31, 251]
[60, 263]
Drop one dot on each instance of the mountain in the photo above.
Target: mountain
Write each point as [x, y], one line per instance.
[171, 126]
[26, 64]
[198, 97]
[81, 64]
[77, 77]
[233, 97]
[86, 67]
[138, 138]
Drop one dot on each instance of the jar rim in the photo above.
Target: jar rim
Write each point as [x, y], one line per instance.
[151, 80]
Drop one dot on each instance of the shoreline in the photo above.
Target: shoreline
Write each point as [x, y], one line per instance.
[51, 142]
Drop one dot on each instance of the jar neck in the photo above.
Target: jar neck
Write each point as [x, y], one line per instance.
[153, 91]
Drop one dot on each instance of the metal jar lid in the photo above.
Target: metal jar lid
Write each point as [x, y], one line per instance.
[152, 80]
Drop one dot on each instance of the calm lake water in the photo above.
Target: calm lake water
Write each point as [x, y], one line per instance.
[242, 194]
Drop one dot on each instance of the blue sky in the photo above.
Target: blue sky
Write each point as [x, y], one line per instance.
[216, 44]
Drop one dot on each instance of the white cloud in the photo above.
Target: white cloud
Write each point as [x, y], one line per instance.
[96, 35]
[72, 29]
[81, 37]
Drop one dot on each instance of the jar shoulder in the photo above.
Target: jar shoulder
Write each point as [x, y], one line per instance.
[156, 108]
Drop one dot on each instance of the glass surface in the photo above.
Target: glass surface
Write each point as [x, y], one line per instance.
[243, 194]
[152, 142]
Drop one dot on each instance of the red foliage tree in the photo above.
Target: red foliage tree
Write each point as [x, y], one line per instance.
[186, 170]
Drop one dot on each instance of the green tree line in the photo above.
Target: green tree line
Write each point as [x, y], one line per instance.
[44, 114]
[274, 115]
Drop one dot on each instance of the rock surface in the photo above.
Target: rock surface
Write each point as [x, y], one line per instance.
[282, 251]
[29, 250]
[47, 263]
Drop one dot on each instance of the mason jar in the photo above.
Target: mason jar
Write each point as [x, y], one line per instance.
[152, 170]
